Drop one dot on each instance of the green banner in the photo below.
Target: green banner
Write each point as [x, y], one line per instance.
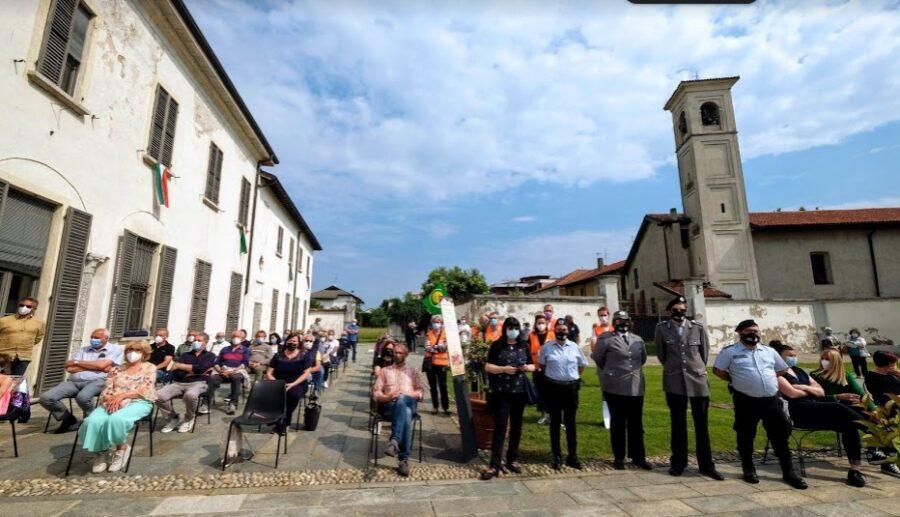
[432, 302]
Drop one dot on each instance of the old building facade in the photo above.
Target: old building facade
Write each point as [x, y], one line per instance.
[129, 173]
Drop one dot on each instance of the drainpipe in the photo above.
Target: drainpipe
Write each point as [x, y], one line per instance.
[874, 264]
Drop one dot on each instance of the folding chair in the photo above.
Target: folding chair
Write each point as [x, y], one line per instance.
[71, 410]
[265, 406]
[798, 445]
[148, 419]
[376, 419]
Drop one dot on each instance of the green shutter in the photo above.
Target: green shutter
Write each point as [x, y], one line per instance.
[200, 296]
[234, 303]
[164, 280]
[64, 298]
[154, 147]
[122, 284]
[287, 310]
[168, 140]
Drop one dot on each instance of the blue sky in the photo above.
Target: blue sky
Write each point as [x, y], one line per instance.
[528, 137]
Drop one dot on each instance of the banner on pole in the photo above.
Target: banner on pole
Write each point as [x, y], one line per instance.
[451, 331]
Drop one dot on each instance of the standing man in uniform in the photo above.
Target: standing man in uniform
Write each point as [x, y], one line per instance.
[683, 350]
[20, 333]
[752, 370]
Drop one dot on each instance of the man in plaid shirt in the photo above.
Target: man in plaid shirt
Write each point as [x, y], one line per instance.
[398, 390]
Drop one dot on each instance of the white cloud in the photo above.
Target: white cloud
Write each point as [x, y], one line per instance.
[396, 98]
[524, 219]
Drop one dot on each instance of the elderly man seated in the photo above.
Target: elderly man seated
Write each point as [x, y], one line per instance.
[87, 377]
[260, 354]
[189, 373]
[398, 391]
[231, 365]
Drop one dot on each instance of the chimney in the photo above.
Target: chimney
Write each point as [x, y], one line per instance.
[673, 212]
[599, 262]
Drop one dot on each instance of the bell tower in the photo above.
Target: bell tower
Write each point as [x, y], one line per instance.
[712, 186]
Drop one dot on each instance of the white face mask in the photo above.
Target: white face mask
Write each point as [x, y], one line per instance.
[23, 311]
[134, 356]
[825, 363]
[191, 339]
[541, 327]
[604, 320]
[235, 341]
[158, 339]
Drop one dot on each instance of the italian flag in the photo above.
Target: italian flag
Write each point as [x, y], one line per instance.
[161, 182]
[242, 230]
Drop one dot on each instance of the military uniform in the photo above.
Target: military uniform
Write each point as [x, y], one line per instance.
[683, 351]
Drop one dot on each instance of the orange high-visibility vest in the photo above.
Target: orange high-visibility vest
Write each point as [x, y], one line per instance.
[536, 344]
[491, 335]
[440, 358]
[600, 329]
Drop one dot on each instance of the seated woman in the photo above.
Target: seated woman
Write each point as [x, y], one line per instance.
[809, 407]
[295, 366]
[836, 381]
[6, 383]
[881, 382]
[384, 358]
[128, 396]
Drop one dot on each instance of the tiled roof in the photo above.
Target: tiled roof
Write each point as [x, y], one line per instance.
[676, 287]
[332, 292]
[581, 275]
[808, 218]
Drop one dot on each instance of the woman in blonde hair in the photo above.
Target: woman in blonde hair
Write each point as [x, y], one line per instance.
[128, 397]
[835, 380]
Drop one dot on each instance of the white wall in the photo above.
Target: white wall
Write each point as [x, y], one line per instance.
[331, 320]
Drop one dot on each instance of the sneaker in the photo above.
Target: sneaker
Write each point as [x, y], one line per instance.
[227, 400]
[544, 420]
[203, 409]
[403, 468]
[170, 425]
[876, 457]
[325, 384]
[231, 409]
[100, 462]
[891, 469]
[120, 458]
[856, 478]
[392, 449]
[186, 426]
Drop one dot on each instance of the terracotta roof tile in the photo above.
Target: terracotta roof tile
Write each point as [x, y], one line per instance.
[676, 287]
[580, 275]
[862, 216]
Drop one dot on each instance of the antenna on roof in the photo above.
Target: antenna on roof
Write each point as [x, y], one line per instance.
[696, 75]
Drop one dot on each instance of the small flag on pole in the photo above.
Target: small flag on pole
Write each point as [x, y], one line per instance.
[161, 182]
[243, 236]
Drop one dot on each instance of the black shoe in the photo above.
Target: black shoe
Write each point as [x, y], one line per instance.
[642, 464]
[556, 463]
[403, 468]
[891, 469]
[619, 465]
[434, 411]
[856, 478]
[490, 473]
[675, 471]
[574, 463]
[750, 476]
[392, 449]
[446, 412]
[513, 467]
[793, 479]
[67, 422]
[712, 473]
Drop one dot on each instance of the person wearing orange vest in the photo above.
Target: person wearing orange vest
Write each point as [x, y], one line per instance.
[437, 359]
[494, 329]
[540, 335]
[548, 313]
[601, 328]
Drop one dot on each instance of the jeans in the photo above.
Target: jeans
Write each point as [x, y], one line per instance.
[353, 348]
[860, 368]
[401, 412]
[84, 393]
[748, 411]
[626, 413]
[678, 405]
[437, 382]
[237, 383]
[562, 404]
[507, 408]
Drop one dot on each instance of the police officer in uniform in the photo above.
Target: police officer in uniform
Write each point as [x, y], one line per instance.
[683, 350]
[751, 370]
[620, 356]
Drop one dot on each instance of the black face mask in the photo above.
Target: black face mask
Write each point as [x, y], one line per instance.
[749, 339]
[622, 327]
[561, 336]
[678, 314]
[291, 346]
[389, 352]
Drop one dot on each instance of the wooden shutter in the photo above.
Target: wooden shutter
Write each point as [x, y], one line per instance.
[168, 143]
[296, 311]
[57, 39]
[287, 310]
[164, 280]
[234, 303]
[4, 191]
[154, 148]
[244, 206]
[213, 173]
[64, 298]
[122, 284]
[273, 320]
[280, 241]
[200, 296]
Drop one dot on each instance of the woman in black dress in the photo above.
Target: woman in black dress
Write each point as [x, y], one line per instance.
[508, 360]
[295, 366]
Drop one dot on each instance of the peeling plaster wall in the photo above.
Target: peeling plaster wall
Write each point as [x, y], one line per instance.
[800, 323]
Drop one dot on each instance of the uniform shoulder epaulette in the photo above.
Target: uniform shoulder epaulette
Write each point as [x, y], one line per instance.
[695, 322]
[728, 346]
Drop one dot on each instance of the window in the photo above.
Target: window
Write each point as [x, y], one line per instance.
[162, 132]
[722, 207]
[635, 279]
[821, 268]
[130, 300]
[279, 244]
[308, 283]
[287, 310]
[140, 284]
[213, 173]
[66, 33]
[291, 251]
[244, 206]
[682, 124]
[200, 295]
[709, 114]
[685, 238]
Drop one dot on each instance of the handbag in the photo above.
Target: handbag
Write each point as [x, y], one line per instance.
[311, 416]
[426, 364]
[531, 394]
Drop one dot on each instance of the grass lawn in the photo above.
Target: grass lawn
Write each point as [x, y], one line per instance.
[370, 334]
[593, 439]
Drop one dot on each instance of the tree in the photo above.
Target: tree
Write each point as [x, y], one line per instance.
[461, 283]
[315, 304]
[402, 311]
[376, 317]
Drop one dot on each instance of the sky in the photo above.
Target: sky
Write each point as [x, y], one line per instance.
[529, 137]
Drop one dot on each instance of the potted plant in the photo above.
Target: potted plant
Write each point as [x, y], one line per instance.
[883, 424]
[476, 353]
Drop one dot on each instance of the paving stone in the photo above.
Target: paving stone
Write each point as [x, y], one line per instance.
[670, 491]
[544, 486]
[558, 501]
[199, 504]
[606, 510]
[610, 481]
[124, 506]
[357, 497]
[37, 508]
[300, 499]
[720, 503]
[665, 507]
[603, 496]
[781, 498]
[470, 505]
[889, 505]
[844, 509]
[727, 487]
[837, 493]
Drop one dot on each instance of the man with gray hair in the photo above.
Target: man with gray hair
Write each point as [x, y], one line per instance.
[190, 373]
[87, 377]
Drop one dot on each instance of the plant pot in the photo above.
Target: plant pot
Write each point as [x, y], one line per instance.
[482, 420]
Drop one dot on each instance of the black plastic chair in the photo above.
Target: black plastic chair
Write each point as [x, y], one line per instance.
[376, 419]
[265, 406]
[148, 419]
[11, 418]
[209, 403]
[797, 436]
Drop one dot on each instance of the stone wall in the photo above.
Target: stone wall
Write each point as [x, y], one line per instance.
[332, 319]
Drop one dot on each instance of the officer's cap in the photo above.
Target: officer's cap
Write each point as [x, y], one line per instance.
[675, 301]
[621, 315]
[745, 324]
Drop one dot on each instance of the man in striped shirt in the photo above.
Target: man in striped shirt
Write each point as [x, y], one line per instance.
[398, 390]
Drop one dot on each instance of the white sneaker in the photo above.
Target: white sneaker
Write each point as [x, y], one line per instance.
[325, 384]
[203, 409]
[544, 420]
[100, 462]
[170, 425]
[120, 458]
[186, 426]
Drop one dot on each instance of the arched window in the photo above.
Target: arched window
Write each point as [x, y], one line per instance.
[709, 114]
[682, 124]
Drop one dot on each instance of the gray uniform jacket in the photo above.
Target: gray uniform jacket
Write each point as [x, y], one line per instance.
[620, 360]
[683, 358]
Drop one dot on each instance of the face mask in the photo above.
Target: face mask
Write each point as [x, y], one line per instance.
[678, 314]
[260, 341]
[235, 341]
[24, 310]
[541, 327]
[548, 314]
[134, 356]
[825, 363]
[291, 346]
[220, 340]
[749, 339]
[96, 343]
[196, 346]
[561, 336]
[436, 326]
[389, 352]
[158, 339]
[512, 334]
[307, 345]
[493, 322]
[273, 340]
[622, 327]
[854, 336]
[604, 320]
[791, 361]
[191, 339]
